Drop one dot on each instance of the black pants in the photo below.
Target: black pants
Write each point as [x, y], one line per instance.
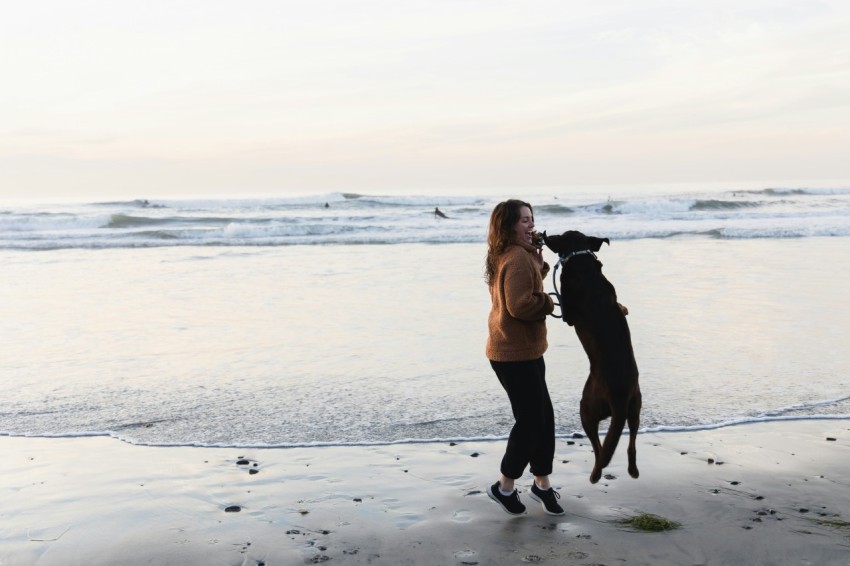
[532, 438]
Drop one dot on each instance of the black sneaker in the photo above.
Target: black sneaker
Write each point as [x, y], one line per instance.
[549, 498]
[510, 503]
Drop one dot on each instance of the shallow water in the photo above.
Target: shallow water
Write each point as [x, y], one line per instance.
[380, 343]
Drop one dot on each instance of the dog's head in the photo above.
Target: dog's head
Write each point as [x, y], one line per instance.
[573, 241]
[584, 275]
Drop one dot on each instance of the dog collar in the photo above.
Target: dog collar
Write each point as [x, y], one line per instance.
[565, 258]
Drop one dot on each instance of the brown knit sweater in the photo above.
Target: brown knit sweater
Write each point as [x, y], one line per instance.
[517, 322]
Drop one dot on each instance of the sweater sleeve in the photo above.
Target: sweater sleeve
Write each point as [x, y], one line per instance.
[524, 297]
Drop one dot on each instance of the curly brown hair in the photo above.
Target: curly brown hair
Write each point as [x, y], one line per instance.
[501, 234]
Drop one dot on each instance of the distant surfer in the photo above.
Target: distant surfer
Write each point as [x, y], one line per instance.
[439, 213]
[327, 205]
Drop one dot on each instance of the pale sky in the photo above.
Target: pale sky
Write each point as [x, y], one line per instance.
[178, 97]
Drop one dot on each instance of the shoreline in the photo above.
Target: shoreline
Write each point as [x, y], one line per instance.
[562, 437]
[757, 493]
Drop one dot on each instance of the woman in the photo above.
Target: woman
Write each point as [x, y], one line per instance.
[515, 345]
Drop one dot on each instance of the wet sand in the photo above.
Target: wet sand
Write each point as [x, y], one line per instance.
[766, 493]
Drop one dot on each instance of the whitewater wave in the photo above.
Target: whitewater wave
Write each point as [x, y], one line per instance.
[356, 219]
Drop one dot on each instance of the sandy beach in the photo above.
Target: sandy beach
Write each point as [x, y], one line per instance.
[765, 493]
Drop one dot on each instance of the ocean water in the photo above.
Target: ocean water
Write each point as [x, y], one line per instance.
[354, 319]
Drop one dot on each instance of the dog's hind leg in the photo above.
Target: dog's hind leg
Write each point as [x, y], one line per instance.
[612, 438]
[590, 424]
[634, 423]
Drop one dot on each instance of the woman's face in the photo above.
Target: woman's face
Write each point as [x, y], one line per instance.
[524, 226]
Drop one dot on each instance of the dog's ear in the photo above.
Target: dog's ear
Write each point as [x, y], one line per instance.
[596, 243]
[550, 242]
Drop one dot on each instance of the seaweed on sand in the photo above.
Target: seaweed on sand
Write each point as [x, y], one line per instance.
[833, 522]
[649, 523]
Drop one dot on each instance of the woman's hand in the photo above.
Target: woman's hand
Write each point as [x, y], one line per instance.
[623, 309]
